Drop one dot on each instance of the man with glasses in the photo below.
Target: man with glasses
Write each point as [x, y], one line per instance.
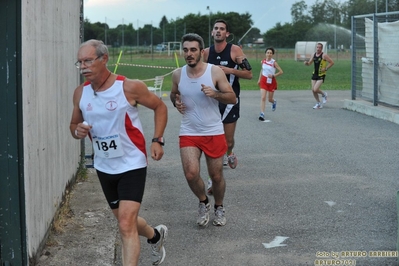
[105, 108]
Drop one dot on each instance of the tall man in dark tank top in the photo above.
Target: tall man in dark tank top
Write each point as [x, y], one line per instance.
[232, 60]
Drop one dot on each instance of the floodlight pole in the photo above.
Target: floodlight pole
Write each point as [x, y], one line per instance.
[105, 31]
[123, 34]
[138, 42]
[209, 26]
[335, 36]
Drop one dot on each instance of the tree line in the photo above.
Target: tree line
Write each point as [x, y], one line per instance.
[314, 22]
[169, 30]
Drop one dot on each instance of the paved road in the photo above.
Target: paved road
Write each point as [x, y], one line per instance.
[324, 180]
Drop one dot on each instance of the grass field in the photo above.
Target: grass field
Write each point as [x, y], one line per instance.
[296, 75]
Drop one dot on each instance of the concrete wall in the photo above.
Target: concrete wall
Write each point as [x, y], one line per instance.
[50, 40]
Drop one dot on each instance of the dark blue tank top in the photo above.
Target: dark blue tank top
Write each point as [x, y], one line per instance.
[224, 59]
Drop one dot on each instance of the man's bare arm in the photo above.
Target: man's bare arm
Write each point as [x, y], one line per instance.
[224, 93]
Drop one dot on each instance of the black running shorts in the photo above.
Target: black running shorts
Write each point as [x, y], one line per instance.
[230, 113]
[125, 186]
[317, 77]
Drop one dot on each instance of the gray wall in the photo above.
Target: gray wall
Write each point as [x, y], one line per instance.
[50, 40]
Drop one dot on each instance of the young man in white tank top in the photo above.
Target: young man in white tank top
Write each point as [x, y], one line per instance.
[197, 89]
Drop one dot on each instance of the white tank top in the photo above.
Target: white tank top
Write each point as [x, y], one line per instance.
[202, 115]
[116, 134]
[268, 67]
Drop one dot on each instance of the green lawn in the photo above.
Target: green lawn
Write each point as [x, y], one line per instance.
[296, 75]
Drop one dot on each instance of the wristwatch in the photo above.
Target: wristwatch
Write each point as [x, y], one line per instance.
[160, 140]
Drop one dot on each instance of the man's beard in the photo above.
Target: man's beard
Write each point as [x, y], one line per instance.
[195, 62]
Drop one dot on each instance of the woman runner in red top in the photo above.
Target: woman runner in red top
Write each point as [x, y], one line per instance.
[267, 81]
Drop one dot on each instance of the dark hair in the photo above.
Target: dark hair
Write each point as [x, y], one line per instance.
[222, 21]
[193, 37]
[270, 48]
[319, 43]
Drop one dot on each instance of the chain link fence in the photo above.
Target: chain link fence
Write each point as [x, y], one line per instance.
[375, 58]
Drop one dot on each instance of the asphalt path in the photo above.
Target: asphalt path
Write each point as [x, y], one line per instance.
[310, 185]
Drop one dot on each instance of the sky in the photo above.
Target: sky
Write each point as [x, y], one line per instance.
[265, 13]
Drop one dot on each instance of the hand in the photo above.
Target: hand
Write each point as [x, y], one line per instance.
[179, 104]
[82, 130]
[156, 151]
[208, 91]
[227, 70]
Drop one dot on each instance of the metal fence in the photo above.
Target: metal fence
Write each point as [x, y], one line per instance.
[375, 58]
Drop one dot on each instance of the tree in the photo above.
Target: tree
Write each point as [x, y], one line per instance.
[198, 24]
[164, 21]
[94, 31]
[240, 25]
[363, 7]
[320, 12]
[252, 36]
[298, 12]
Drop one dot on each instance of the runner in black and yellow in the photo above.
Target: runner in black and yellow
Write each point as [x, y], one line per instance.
[322, 63]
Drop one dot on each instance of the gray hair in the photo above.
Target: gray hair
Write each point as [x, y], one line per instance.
[101, 48]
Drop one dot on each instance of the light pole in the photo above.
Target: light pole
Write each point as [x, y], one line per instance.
[335, 37]
[209, 26]
[138, 34]
[105, 31]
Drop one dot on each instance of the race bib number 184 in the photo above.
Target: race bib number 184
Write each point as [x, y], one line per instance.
[107, 146]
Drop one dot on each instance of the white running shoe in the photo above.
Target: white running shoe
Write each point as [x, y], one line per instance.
[324, 97]
[203, 214]
[232, 160]
[220, 219]
[158, 252]
[209, 186]
[317, 106]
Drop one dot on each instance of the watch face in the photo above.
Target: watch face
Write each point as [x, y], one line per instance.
[160, 140]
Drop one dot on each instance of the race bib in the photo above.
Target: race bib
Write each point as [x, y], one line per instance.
[269, 81]
[107, 146]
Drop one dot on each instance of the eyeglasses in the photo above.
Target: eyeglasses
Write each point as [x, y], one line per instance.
[87, 62]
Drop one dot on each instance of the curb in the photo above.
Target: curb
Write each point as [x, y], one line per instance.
[369, 109]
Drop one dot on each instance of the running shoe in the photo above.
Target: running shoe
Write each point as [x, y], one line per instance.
[232, 160]
[274, 105]
[158, 252]
[324, 97]
[262, 117]
[209, 186]
[220, 219]
[317, 106]
[203, 214]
